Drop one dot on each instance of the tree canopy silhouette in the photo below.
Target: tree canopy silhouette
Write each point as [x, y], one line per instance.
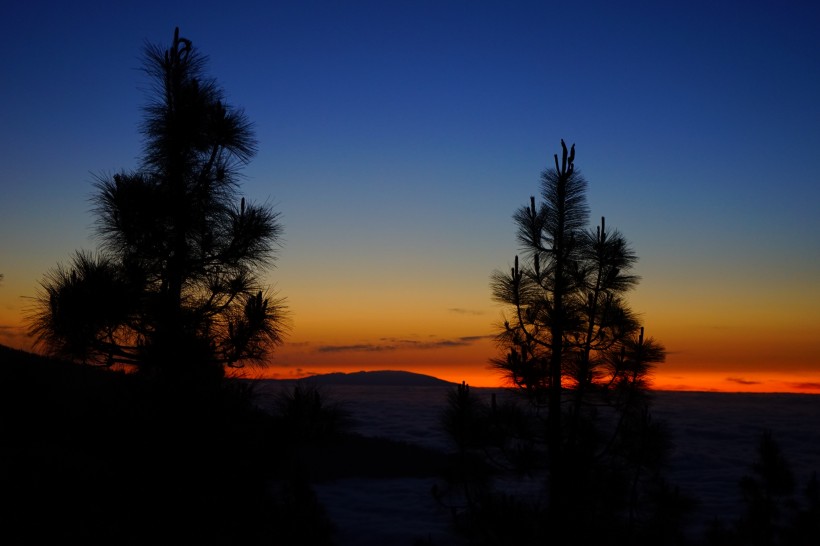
[572, 344]
[175, 286]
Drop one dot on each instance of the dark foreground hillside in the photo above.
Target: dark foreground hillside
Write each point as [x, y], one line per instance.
[94, 457]
[90, 456]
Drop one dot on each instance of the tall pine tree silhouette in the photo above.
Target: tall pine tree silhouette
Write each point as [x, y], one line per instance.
[175, 287]
[571, 342]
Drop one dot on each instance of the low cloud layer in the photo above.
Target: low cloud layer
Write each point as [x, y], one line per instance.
[394, 344]
[462, 311]
[741, 381]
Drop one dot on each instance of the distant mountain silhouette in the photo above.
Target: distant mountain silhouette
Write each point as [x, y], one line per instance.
[380, 378]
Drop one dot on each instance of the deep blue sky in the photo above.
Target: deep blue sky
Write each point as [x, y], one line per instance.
[397, 139]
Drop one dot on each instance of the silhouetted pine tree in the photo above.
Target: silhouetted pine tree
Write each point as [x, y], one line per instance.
[575, 348]
[766, 493]
[176, 284]
[773, 514]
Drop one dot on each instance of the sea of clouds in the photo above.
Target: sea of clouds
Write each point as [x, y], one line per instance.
[715, 438]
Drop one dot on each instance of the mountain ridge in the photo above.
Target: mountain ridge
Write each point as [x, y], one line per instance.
[396, 378]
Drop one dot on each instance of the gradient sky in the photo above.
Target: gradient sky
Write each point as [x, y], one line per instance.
[396, 139]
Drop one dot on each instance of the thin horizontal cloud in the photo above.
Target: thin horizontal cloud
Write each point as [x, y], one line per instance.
[360, 347]
[297, 343]
[472, 339]
[394, 344]
[400, 341]
[443, 343]
[805, 386]
[417, 344]
[462, 311]
[741, 381]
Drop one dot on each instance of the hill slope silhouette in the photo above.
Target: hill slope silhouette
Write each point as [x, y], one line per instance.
[383, 378]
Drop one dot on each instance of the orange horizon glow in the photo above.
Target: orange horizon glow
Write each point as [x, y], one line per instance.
[716, 381]
[470, 364]
[466, 359]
